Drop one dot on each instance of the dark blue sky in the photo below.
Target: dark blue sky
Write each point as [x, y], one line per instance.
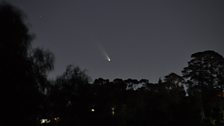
[143, 38]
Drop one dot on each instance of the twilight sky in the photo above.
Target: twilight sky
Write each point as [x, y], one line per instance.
[143, 38]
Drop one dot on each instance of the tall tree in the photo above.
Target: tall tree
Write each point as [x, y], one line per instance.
[70, 95]
[42, 62]
[205, 69]
[204, 76]
[19, 93]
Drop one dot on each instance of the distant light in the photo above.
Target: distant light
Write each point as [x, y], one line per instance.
[92, 110]
[57, 118]
[113, 110]
[43, 121]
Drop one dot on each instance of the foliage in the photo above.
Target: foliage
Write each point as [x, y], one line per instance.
[19, 70]
[206, 70]
[204, 76]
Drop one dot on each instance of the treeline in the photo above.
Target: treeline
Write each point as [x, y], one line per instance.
[175, 100]
[194, 98]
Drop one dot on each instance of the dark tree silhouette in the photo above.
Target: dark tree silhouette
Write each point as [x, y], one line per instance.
[20, 96]
[206, 70]
[43, 62]
[204, 76]
[15, 65]
[70, 96]
[174, 80]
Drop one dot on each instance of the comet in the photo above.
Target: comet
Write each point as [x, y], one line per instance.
[103, 52]
[108, 59]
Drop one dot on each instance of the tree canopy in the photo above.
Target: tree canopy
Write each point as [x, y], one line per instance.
[20, 71]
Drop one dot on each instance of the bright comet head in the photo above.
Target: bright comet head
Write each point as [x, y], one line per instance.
[104, 52]
[108, 58]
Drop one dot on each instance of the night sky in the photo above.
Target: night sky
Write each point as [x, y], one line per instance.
[143, 38]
